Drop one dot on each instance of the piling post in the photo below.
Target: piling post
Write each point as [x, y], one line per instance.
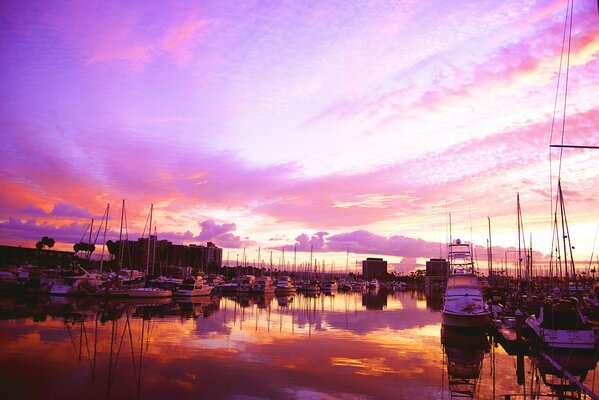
[519, 318]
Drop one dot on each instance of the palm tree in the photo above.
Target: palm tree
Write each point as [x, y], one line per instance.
[45, 242]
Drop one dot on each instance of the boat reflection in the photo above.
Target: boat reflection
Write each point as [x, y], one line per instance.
[464, 353]
[550, 369]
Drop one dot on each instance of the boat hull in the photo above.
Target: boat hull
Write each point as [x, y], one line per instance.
[466, 321]
[149, 292]
[563, 339]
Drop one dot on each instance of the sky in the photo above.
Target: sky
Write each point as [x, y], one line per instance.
[342, 126]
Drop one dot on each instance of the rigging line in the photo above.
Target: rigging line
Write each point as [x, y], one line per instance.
[559, 75]
[593, 250]
[561, 152]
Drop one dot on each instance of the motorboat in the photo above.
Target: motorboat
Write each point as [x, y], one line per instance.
[87, 283]
[561, 325]
[263, 285]
[193, 287]
[464, 306]
[246, 283]
[285, 285]
[311, 287]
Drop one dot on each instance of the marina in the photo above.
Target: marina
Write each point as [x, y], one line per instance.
[368, 344]
[255, 200]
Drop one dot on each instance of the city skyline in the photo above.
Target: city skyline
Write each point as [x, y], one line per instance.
[334, 127]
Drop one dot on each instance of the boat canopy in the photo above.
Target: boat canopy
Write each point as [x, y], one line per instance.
[563, 315]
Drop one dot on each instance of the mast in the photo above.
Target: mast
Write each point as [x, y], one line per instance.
[154, 250]
[89, 241]
[490, 256]
[259, 260]
[149, 240]
[347, 262]
[121, 243]
[104, 239]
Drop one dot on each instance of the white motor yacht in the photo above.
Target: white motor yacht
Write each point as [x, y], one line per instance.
[464, 306]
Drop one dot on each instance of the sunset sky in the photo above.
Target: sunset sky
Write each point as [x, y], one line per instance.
[335, 124]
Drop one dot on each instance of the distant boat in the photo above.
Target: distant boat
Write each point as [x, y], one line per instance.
[311, 287]
[374, 284]
[285, 285]
[193, 287]
[560, 325]
[263, 285]
[246, 284]
[464, 306]
[330, 286]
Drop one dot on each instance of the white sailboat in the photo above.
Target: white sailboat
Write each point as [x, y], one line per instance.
[560, 325]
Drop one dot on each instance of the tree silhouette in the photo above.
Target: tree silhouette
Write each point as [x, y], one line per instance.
[112, 248]
[45, 242]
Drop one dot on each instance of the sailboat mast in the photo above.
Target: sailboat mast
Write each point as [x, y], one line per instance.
[104, 239]
[149, 240]
[490, 256]
[121, 243]
[519, 244]
[154, 249]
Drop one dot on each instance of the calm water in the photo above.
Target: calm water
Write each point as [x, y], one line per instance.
[347, 346]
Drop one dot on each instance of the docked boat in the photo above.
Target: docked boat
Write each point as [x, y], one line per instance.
[560, 325]
[285, 285]
[263, 285]
[87, 283]
[246, 283]
[374, 284]
[193, 287]
[311, 287]
[330, 286]
[464, 306]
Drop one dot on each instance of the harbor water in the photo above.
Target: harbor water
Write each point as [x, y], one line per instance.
[370, 345]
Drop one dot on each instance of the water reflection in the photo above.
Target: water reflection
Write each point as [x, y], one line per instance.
[374, 344]
[464, 351]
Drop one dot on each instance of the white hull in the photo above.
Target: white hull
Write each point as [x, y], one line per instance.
[563, 339]
[149, 292]
[471, 321]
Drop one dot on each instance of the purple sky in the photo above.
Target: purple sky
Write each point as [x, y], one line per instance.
[257, 123]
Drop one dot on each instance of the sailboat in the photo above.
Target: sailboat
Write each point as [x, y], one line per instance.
[464, 306]
[559, 324]
[149, 291]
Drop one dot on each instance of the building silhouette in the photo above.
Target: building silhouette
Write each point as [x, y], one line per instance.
[374, 268]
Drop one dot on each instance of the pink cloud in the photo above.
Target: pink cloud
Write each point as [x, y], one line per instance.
[220, 234]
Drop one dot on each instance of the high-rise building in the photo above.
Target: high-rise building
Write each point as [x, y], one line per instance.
[374, 268]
